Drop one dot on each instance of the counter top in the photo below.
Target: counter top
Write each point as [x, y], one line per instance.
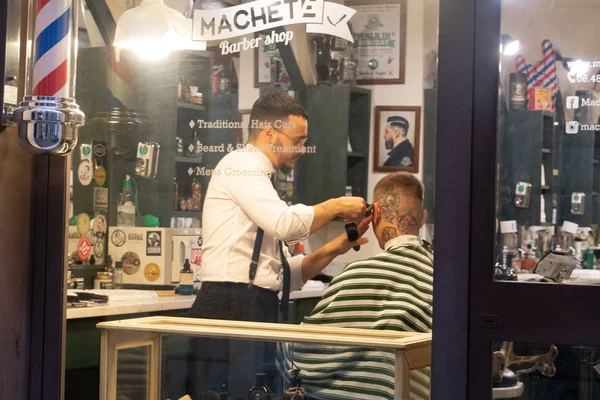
[578, 277]
[177, 302]
[147, 304]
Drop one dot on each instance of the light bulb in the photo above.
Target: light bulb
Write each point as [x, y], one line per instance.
[512, 48]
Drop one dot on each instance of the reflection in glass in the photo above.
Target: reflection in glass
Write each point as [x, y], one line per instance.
[132, 373]
[529, 371]
[548, 147]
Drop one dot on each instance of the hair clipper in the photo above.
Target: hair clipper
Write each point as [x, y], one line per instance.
[352, 229]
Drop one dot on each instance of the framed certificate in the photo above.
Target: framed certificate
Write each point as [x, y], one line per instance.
[268, 64]
[379, 29]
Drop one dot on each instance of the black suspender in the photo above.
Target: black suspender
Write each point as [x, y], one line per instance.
[285, 296]
[255, 255]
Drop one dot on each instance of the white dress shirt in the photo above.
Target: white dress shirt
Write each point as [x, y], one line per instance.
[239, 199]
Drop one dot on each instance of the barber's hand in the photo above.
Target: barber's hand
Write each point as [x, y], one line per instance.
[352, 208]
[342, 245]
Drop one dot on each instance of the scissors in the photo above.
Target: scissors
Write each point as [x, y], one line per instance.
[352, 230]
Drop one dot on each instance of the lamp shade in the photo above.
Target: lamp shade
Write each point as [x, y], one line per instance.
[154, 26]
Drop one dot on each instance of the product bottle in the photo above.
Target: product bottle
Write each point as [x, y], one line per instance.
[349, 63]
[126, 207]
[194, 145]
[296, 391]
[179, 87]
[175, 194]
[186, 279]
[260, 391]
[196, 194]
[118, 276]
[531, 260]
[223, 394]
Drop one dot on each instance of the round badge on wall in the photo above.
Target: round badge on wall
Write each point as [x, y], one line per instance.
[90, 235]
[100, 226]
[118, 238]
[83, 224]
[99, 249]
[131, 263]
[152, 272]
[84, 172]
[84, 248]
[100, 176]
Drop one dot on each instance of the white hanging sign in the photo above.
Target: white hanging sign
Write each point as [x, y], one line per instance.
[320, 16]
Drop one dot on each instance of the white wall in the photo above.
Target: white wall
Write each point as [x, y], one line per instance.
[408, 94]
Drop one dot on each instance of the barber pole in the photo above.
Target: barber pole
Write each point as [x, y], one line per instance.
[520, 65]
[49, 117]
[550, 80]
[526, 69]
[52, 36]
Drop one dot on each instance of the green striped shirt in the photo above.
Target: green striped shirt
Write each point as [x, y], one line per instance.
[392, 291]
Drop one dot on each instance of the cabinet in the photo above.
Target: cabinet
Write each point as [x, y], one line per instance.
[338, 115]
[529, 148]
[133, 101]
[581, 170]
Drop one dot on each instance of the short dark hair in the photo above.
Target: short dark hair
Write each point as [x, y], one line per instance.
[399, 182]
[275, 106]
[399, 122]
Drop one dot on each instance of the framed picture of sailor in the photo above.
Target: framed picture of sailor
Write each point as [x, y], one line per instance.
[397, 138]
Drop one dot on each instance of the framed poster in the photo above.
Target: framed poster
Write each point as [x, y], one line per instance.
[268, 64]
[380, 36]
[397, 138]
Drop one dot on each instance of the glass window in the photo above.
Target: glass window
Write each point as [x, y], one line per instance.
[544, 371]
[547, 159]
[132, 373]
[245, 162]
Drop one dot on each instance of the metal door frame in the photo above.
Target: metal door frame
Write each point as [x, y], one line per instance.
[470, 309]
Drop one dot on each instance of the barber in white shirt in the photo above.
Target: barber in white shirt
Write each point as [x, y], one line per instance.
[241, 201]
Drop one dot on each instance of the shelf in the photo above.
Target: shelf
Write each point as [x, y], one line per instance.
[354, 154]
[548, 114]
[546, 151]
[190, 106]
[357, 89]
[187, 214]
[596, 161]
[188, 160]
[545, 188]
[595, 193]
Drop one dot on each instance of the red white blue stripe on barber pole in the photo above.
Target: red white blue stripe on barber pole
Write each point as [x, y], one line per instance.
[543, 74]
[52, 48]
[549, 80]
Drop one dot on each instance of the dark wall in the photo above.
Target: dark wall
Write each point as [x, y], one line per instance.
[16, 177]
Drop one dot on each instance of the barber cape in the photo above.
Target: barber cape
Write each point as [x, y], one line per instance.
[392, 291]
